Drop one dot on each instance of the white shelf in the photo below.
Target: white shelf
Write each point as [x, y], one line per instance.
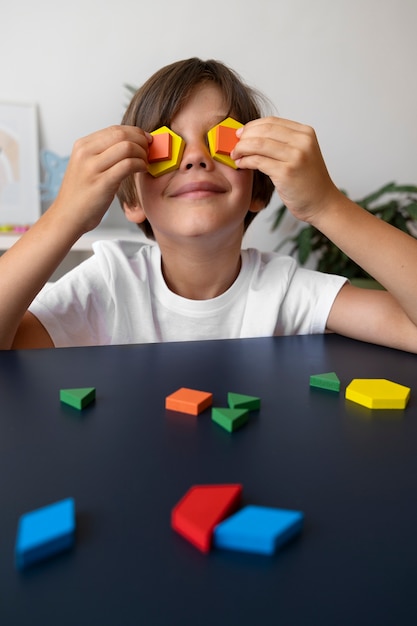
[82, 249]
[84, 244]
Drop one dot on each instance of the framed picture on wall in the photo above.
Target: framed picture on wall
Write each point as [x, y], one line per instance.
[19, 165]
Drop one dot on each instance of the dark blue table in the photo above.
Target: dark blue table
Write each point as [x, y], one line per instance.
[127, 462]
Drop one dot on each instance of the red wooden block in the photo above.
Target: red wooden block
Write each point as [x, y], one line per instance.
[201, 509]
[160, 149]
[189, 401]
[225, 139]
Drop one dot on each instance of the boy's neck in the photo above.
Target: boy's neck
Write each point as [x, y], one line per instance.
[193, 274]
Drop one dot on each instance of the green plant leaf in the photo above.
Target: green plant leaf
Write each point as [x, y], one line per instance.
[411, 210]
[304, 244]
[405, 189]
[279, 215]
[399, 208]
[130, 88]
[377, 194]
[380, 208]
[389, 211]
[400, 222]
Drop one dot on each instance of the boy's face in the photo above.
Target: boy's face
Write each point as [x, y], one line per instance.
[203, 197]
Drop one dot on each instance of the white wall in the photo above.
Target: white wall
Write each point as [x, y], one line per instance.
[347, 67]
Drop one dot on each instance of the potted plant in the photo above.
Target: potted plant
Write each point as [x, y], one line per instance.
[395, 204]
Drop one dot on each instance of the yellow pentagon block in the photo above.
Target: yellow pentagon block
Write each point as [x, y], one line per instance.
[216, 151]
[158, 168]
[377, 393]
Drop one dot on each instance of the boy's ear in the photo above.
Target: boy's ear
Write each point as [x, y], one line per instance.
[134, 213]
[256, 205]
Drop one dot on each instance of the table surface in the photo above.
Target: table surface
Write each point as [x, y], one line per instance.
[127, 461]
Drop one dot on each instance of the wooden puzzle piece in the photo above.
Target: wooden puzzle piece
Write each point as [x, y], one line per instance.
[329, 381]
[201, 509]
[45, 532]
[242, 401]
[225, 139]
[258, 529]
[378, 393]
[159, 167]
[189, 401]
[228, 418]
[78, 398]
[161, 148]
[222, 139]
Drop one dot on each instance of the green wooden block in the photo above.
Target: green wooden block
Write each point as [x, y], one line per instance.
[240, 401]
[78, 398]
[229, 419]
[328, 381]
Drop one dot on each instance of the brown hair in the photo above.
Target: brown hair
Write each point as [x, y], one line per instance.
[162, 96]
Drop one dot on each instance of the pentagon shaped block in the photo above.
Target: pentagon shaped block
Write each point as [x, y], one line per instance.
[329, 381]
[201, 509]
[378, 393]
[230, 419]
[159, 167]
[78, 398]
[222, 139]
[258, 529]
[189, 401]
[45, 532]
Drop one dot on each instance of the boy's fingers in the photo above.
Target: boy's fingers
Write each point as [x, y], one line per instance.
[98, 142]
[106, 148]
[277, 129]
[279, 122]
[123, 151]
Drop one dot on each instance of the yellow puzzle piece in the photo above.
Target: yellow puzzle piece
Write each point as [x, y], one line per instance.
[222, 139]
[377, 393]
[163, 166]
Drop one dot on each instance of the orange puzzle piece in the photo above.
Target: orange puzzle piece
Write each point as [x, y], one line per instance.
[161, 148]
[168, 150]
[189, 401]
[225, 139]
[201, 509]
[222, 139]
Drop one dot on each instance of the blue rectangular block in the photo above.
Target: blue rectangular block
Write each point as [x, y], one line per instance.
[258, 529]
[44, 532]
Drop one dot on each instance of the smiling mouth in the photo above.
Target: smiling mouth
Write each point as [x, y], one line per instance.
[198, 190]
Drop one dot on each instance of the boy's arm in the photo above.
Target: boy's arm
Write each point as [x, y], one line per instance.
[31, 334]
[390, 256]
[288, 152]
[97, 166]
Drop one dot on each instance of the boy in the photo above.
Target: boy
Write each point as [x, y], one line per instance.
[196, 282]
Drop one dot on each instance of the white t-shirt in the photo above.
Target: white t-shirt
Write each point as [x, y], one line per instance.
[119, 296]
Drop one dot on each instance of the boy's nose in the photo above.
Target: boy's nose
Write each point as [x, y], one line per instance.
[189, 165]
[197, 156]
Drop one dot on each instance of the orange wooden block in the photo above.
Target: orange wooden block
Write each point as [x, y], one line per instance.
[166, 163]
[225, 139]
[222, 139]
[201, 509]
[189, 401]
[161, 148]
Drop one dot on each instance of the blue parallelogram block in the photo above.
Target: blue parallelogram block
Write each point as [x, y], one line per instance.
[258, 529]
[44, 532]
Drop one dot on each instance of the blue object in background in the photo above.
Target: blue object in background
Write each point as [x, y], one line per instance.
[54, 167]
[258, 529]
[44, 532]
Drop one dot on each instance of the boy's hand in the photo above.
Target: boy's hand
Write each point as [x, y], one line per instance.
[290, 155]
[98, 164]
